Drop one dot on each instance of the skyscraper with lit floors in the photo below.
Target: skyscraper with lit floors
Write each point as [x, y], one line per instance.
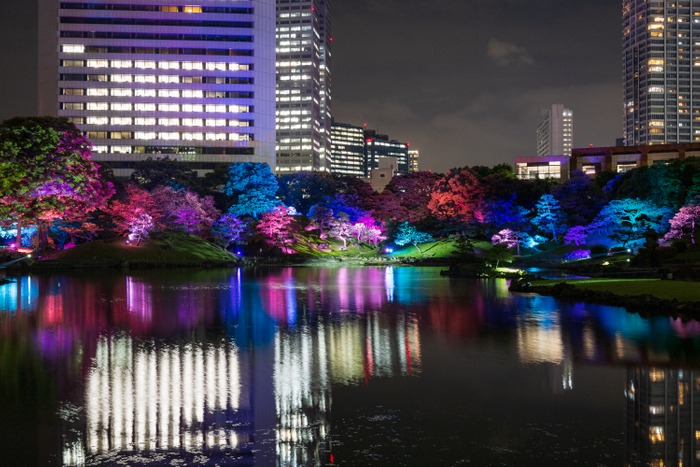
[555, 133]
[661, 71]
[303, 85]
[156, 78]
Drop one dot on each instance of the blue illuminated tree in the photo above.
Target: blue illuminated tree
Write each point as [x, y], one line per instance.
[549, 217]
[407, 233]
[628, 219]
[253, 188]
[230, 229]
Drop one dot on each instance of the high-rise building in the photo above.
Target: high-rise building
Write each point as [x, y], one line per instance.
[347, 149]
[157, 78]
[660, 61]
[377, 146]
[303, 85]
[413, 156]
[555, 134]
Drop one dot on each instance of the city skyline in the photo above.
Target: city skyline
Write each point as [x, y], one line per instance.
[457, 117]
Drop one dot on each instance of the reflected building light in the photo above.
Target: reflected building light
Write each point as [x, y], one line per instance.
[74, 454]
[589, 342]
[139, 299]
[346, 354]
[290, 295]
[389, 284]
[165, 392]
[538, 345]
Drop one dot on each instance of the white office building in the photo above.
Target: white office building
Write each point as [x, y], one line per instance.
[156, 78]
[303, 86]
[555, 134]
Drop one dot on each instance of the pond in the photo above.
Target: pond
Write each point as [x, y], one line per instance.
[335, 366]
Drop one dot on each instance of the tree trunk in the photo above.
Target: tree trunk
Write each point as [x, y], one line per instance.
[345, 242]
[19, 234]
[42, 235]
[692, 232]
[554, 232]
[416, 245]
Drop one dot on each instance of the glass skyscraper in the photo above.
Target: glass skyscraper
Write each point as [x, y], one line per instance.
[661, 67]
[303, 85]
[194, 82]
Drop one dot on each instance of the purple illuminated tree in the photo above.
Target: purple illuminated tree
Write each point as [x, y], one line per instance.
[187, 211]
[549, 217]
[685, 222]
[230, 229]
[46, 173]
[576, 236]
[407, 233]
[367, 229]
[275, 226]
[509, 238]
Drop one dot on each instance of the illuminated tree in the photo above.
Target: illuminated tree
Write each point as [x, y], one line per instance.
[406, 234]
[275, 226]
[345, 204]
[412, 193]
[576, 236]
[321, 218]
[628, 219]
[549, 217]
[46, 173]
[341, 228]
[253, 188]
[187, 211]
[456, 196]
[134, 202]
[305, 189]
[141, 228]
[367, 229]
[230, 229]
[684, 222]
[579, 199]
[507, 237]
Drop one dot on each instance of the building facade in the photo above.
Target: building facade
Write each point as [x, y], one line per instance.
[378, 146]
[532, 168]
[661, 81]
[555, 133]
[303, 85]
[348, 149]
[621, 159]
[155, 78]
[413, 156]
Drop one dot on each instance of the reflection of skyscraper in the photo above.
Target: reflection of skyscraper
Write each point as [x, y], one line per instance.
[662, 411]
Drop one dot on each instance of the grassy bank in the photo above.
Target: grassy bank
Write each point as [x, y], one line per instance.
[186, 249]
[666, 290]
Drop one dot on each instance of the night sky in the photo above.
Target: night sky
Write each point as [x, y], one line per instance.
[461, 80]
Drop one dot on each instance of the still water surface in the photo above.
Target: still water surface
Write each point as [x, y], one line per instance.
[319, 366]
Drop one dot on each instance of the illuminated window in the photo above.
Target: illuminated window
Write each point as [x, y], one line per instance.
[74, 63]
[97, 106]
[656, 89]
[168, 107]
[192, 122]
[121, 64]
[144, 135]
[238, 108]
[216, 66]
[121, 78]
[192, 9]
[216, 136]
[144, 64]
[216, 108]
[145, 92]
[656, 434]
[655, 62]
[168, 122]
[120, 92]
[73, 92]
[169, 65]
[121, 121]
[168, 79]
[73, 49]
[97, 120]
[97, 92]
[192, 108]
[168, 93]
[145, 107]
[234, 123]
[99, 149]
[121, 106]
[169, 9]
[657, 375]
[191, 65]
[216, 122]
[121, 149]
[234, 137]
[144, 79]
[97, 63]
[169, 136]
[191, 93]
[192, 136]
[144, 121]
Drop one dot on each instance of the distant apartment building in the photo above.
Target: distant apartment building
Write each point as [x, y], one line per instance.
[555, 134]
[380, 176]
[378, 146]
[621, 159]
[413, 156]
[661, 72]
[156, 78]
[347, 149]
[532, 168]
[303, 85]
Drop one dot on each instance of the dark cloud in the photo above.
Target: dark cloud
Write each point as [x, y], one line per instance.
[464, 80]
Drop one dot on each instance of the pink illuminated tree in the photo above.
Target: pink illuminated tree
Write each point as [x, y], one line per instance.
[275, 226]
[684, 222]
[368, 229]
[136, 202]
[507, 237]
[341, 228]
[141, 228]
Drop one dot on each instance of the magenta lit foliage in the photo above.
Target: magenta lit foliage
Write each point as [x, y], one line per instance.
[188, 211]
[684, 223]
[367, 229]
[275, 226]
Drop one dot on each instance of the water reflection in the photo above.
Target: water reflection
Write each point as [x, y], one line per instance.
[240, 367]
